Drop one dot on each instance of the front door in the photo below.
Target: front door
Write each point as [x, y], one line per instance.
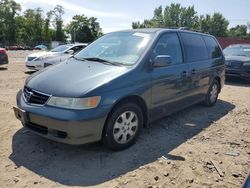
[170, 83]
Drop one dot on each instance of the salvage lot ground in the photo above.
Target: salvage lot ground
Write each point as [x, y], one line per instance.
[197, 147]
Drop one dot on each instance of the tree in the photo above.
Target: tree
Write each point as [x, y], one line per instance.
[33, 26]
[47, 31]
[8, 10]
[173, 16]
[84, 29]
[58, 13]
[215, 25]
[240, 31]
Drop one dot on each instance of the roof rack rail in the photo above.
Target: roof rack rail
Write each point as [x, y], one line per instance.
[184, 28]
[189, 29]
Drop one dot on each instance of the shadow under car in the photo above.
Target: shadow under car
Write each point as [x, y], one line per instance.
[92, 164]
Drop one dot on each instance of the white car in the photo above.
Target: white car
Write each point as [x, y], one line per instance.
[37, 61]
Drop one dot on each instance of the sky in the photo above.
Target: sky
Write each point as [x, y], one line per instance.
[116, 15]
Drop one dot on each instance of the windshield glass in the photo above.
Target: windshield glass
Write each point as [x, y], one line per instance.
[237, 51]
[121, 47]
[60, 48]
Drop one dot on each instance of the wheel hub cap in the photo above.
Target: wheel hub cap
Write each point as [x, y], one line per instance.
[213, 93]
[125, 127]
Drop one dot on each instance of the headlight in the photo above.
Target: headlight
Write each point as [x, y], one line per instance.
[246, 64]
[41, 58]
[74, 103]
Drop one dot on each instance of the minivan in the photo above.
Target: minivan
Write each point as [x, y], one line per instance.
[121, 83]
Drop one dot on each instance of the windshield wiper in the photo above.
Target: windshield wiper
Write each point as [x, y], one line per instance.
[82, 59]
[104, 61]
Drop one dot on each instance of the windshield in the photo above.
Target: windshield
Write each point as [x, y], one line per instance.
[237, 51]
[60, 48]
[120, 48]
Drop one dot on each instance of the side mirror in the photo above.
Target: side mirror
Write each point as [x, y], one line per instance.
[162, 61]
[71, 52]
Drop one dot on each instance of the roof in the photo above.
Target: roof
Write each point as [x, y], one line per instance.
[75, 44]
[157, 30]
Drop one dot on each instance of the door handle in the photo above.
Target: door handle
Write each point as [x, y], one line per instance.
[184, 74]
[193, 71]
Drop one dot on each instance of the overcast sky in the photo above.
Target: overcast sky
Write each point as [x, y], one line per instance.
[119, 14]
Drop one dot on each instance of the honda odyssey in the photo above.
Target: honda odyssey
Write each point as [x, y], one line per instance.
[120, 83]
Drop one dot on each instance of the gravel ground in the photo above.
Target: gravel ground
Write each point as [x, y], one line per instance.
[196, 147]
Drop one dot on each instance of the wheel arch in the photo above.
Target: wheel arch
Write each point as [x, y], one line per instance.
[131, 98]
[218, 79]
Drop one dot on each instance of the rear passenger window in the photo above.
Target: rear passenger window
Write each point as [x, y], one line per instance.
[213, 48]
[195, 48]
[169, 44]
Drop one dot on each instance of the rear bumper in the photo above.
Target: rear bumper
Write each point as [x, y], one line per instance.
[62, 125]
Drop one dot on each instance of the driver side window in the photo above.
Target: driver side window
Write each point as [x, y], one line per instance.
[169, 44]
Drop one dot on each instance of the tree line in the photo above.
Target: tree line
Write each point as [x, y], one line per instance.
[35, 27]
[175, 16]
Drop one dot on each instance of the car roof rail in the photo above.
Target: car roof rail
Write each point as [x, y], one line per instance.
[190, 29]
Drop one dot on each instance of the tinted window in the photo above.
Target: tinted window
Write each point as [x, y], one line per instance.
[169, 44]
[195, 48]
[61, 48]
[213, 48]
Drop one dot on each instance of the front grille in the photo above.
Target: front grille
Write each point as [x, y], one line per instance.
[31, 58]
[30, 66]
[234, 64]
[34, 97]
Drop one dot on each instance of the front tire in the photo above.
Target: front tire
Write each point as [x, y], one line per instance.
[212, 94]
[123, 126]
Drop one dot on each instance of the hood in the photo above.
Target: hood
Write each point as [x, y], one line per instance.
[40, 54]
[73, 78]
[237, 58]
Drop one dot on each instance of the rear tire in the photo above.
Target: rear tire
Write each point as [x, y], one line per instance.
[123, 126]
[212, 94]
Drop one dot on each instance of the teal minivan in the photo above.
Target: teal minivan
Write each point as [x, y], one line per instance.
[119, 84]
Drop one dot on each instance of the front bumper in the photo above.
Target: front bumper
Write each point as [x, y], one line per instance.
[34, 65]
[241, 73]
[62, 125]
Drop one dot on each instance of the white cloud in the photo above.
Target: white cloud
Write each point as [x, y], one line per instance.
[75, 8]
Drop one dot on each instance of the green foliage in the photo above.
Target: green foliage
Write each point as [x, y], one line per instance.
[84, 29]
[8, 10]
[172, 16]
[240, 31]
[175, 16]
[32, 27]
[215, 25]
[58, 13]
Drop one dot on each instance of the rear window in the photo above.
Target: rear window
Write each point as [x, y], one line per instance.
[213, 48]
[195, 48]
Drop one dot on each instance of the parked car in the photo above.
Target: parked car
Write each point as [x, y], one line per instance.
[40, 47]
[11, 47]
[39, 60]
[238, 61]
[3, 57]
[120, 83]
